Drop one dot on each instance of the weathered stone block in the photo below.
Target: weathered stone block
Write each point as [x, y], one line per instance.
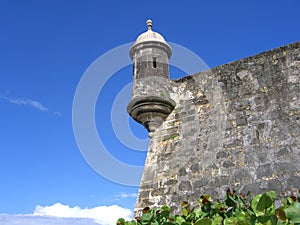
[185, 186]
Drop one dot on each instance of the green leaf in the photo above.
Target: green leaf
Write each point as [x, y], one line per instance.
[190, 217]
[186, 223]
[145, 222]
[293, 212]
[154, 210]
[120, 221]
[230, 221]
[165, 208]
[217, 219]
[254, 202]
[171, 217]
[164, 214]
[266, 201]
[272, 195]
[284, 202]
[179, 220]
[263, 219]
[185, 212]
[155, 223]
[232, 199]
[132, 222]
[243, 218]
[203, 221]
[274, 220]
[199, 212]
[146, 217]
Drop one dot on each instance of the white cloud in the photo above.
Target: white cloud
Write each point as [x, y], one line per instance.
[32, 103]
[101, 214]
[126, 195]
[29, 102]
[132, 195]
[59, 214]
[123, 195]
[43, 220]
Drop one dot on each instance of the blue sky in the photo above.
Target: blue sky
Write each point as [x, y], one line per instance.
[45, 49]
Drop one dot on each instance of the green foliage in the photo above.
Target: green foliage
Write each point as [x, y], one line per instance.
[235, 209]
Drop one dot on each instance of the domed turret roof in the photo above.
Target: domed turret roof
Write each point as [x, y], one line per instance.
[150, 35]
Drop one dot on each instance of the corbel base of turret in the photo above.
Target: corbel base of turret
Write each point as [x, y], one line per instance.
[150, 111]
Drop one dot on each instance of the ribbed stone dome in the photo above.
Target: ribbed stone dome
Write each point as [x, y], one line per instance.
[150, 37]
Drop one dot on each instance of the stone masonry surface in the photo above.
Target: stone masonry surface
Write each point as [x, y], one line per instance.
[236, 126]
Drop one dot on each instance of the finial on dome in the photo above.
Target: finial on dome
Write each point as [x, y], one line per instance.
[149, 24]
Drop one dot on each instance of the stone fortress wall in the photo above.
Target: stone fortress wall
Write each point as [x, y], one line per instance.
[237, 126]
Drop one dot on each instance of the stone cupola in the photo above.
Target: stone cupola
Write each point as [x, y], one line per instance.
[150, 104]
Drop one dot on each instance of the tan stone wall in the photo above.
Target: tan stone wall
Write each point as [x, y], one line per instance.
[235, 126]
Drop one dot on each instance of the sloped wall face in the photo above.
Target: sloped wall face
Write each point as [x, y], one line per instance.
[235, 126]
